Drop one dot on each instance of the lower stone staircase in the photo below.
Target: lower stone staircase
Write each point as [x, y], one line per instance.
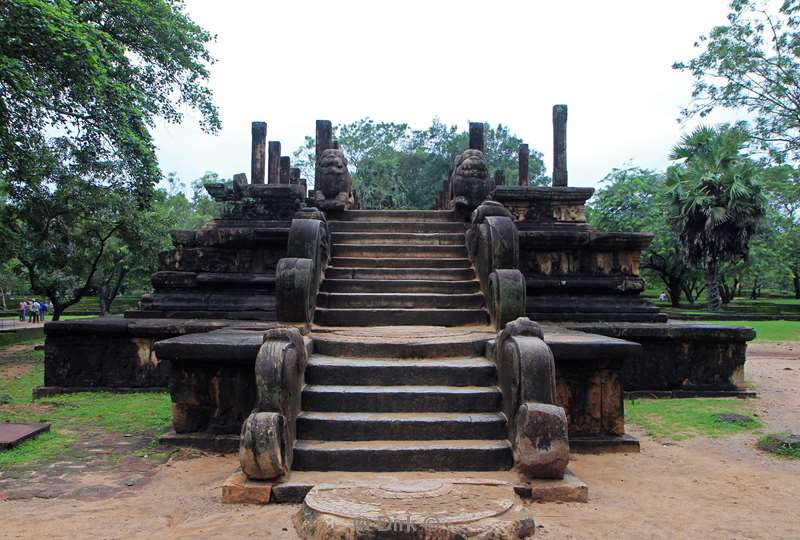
[398, 267]
[412, 404]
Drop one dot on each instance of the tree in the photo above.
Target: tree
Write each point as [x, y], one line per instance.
[81, 85]
[753, 63]
[99, 73]
[782, 185]
[394, 166]
[716, 199]
[633, 200]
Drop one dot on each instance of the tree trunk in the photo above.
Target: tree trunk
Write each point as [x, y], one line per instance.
[713, 284]
[674, 291]
[3, 297]
[755, 290]
[796, 281]
[57, 311]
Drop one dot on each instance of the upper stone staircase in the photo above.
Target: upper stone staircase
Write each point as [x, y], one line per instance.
[399, 267]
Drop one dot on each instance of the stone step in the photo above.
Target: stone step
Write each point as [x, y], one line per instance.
[407, 398]
[398, 251]
[454, 455]
[399, 238]
[454, 347]
[469, 371]
[385, 286]
[399, 317]
[398, 226]
[400, 426]
[398, 215]
[399, 300]
[427, 262]
[429, 274]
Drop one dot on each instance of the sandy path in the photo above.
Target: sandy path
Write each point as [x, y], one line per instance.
[702, 488]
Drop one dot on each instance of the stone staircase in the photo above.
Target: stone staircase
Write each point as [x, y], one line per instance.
[411, 403]
[398, 267]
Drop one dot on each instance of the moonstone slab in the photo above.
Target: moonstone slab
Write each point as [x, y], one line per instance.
[441, 509]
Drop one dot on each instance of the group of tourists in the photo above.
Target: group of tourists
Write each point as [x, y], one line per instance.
[33, 311]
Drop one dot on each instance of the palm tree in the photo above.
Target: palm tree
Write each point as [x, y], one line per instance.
[716, 199]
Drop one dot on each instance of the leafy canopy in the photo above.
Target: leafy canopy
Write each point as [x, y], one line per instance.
[395, 166]
[753, 63]
[98, 74]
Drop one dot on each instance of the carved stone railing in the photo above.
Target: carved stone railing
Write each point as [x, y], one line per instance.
[493, 246]
[526, 376]
[268, 434]
[299, 274]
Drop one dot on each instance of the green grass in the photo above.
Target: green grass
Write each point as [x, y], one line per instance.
[680, 419]
[771, 443]
[73, 415]
[769, 330]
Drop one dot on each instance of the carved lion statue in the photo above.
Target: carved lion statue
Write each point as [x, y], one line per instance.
[470, 182]
[334, 186]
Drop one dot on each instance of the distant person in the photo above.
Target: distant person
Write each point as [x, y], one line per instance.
[662, 297]
[23, 310]
[35, 311]
[42, 310]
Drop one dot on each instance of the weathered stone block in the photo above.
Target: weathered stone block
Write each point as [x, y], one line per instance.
[541, 446]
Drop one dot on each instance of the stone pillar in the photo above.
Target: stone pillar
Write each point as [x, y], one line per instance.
[294, 175]
[523, 165]
[499, 178]
[274, 162]
[286, 164]
[258, 151]
[324, 136]
[476, 136]
[559, 145]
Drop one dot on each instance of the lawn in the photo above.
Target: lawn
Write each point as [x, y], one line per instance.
[73, 417]
[680, 419]
[769, 330]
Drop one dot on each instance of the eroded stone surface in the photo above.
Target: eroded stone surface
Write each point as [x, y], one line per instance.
[443, 509]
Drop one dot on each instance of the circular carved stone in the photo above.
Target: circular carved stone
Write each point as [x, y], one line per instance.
[457, 508]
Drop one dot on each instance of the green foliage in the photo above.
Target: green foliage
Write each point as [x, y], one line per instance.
[99, 73]
[394, 166]
[634, 200]
[781, 444]
[752, 63]
[680, 419]
[716, 199]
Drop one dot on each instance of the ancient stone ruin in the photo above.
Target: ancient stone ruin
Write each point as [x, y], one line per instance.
[496, 330]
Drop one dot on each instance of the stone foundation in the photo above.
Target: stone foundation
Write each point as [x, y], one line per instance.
[679, 356]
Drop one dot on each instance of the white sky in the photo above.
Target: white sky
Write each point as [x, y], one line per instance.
[292, 62]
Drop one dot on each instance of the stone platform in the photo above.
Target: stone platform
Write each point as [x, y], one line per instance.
[213, 389]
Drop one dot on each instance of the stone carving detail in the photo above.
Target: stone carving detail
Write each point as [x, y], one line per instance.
[470, 181]
[526, 376]
[242, 201]
[298, 275]
[334, 186]
[493, 246]
[268, 434]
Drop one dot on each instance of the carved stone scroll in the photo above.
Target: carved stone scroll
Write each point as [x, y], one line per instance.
[526, 376]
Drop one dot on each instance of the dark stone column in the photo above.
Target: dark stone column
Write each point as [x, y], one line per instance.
[286, 164]
[324, 136]
[499, 178]
[258, 152]
[476, 136]
[274, 164]
[559, 145]
[523, 165]
[294, 175]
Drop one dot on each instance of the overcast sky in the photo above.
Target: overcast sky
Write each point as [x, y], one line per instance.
[292, 62]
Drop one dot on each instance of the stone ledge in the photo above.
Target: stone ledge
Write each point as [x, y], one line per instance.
[224, 444]
[604, 444]
[668, 331]
[47, 391]
[569, 489]
[237, 489]
[679, 394]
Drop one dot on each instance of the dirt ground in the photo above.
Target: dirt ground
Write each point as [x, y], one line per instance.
[700, 488]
